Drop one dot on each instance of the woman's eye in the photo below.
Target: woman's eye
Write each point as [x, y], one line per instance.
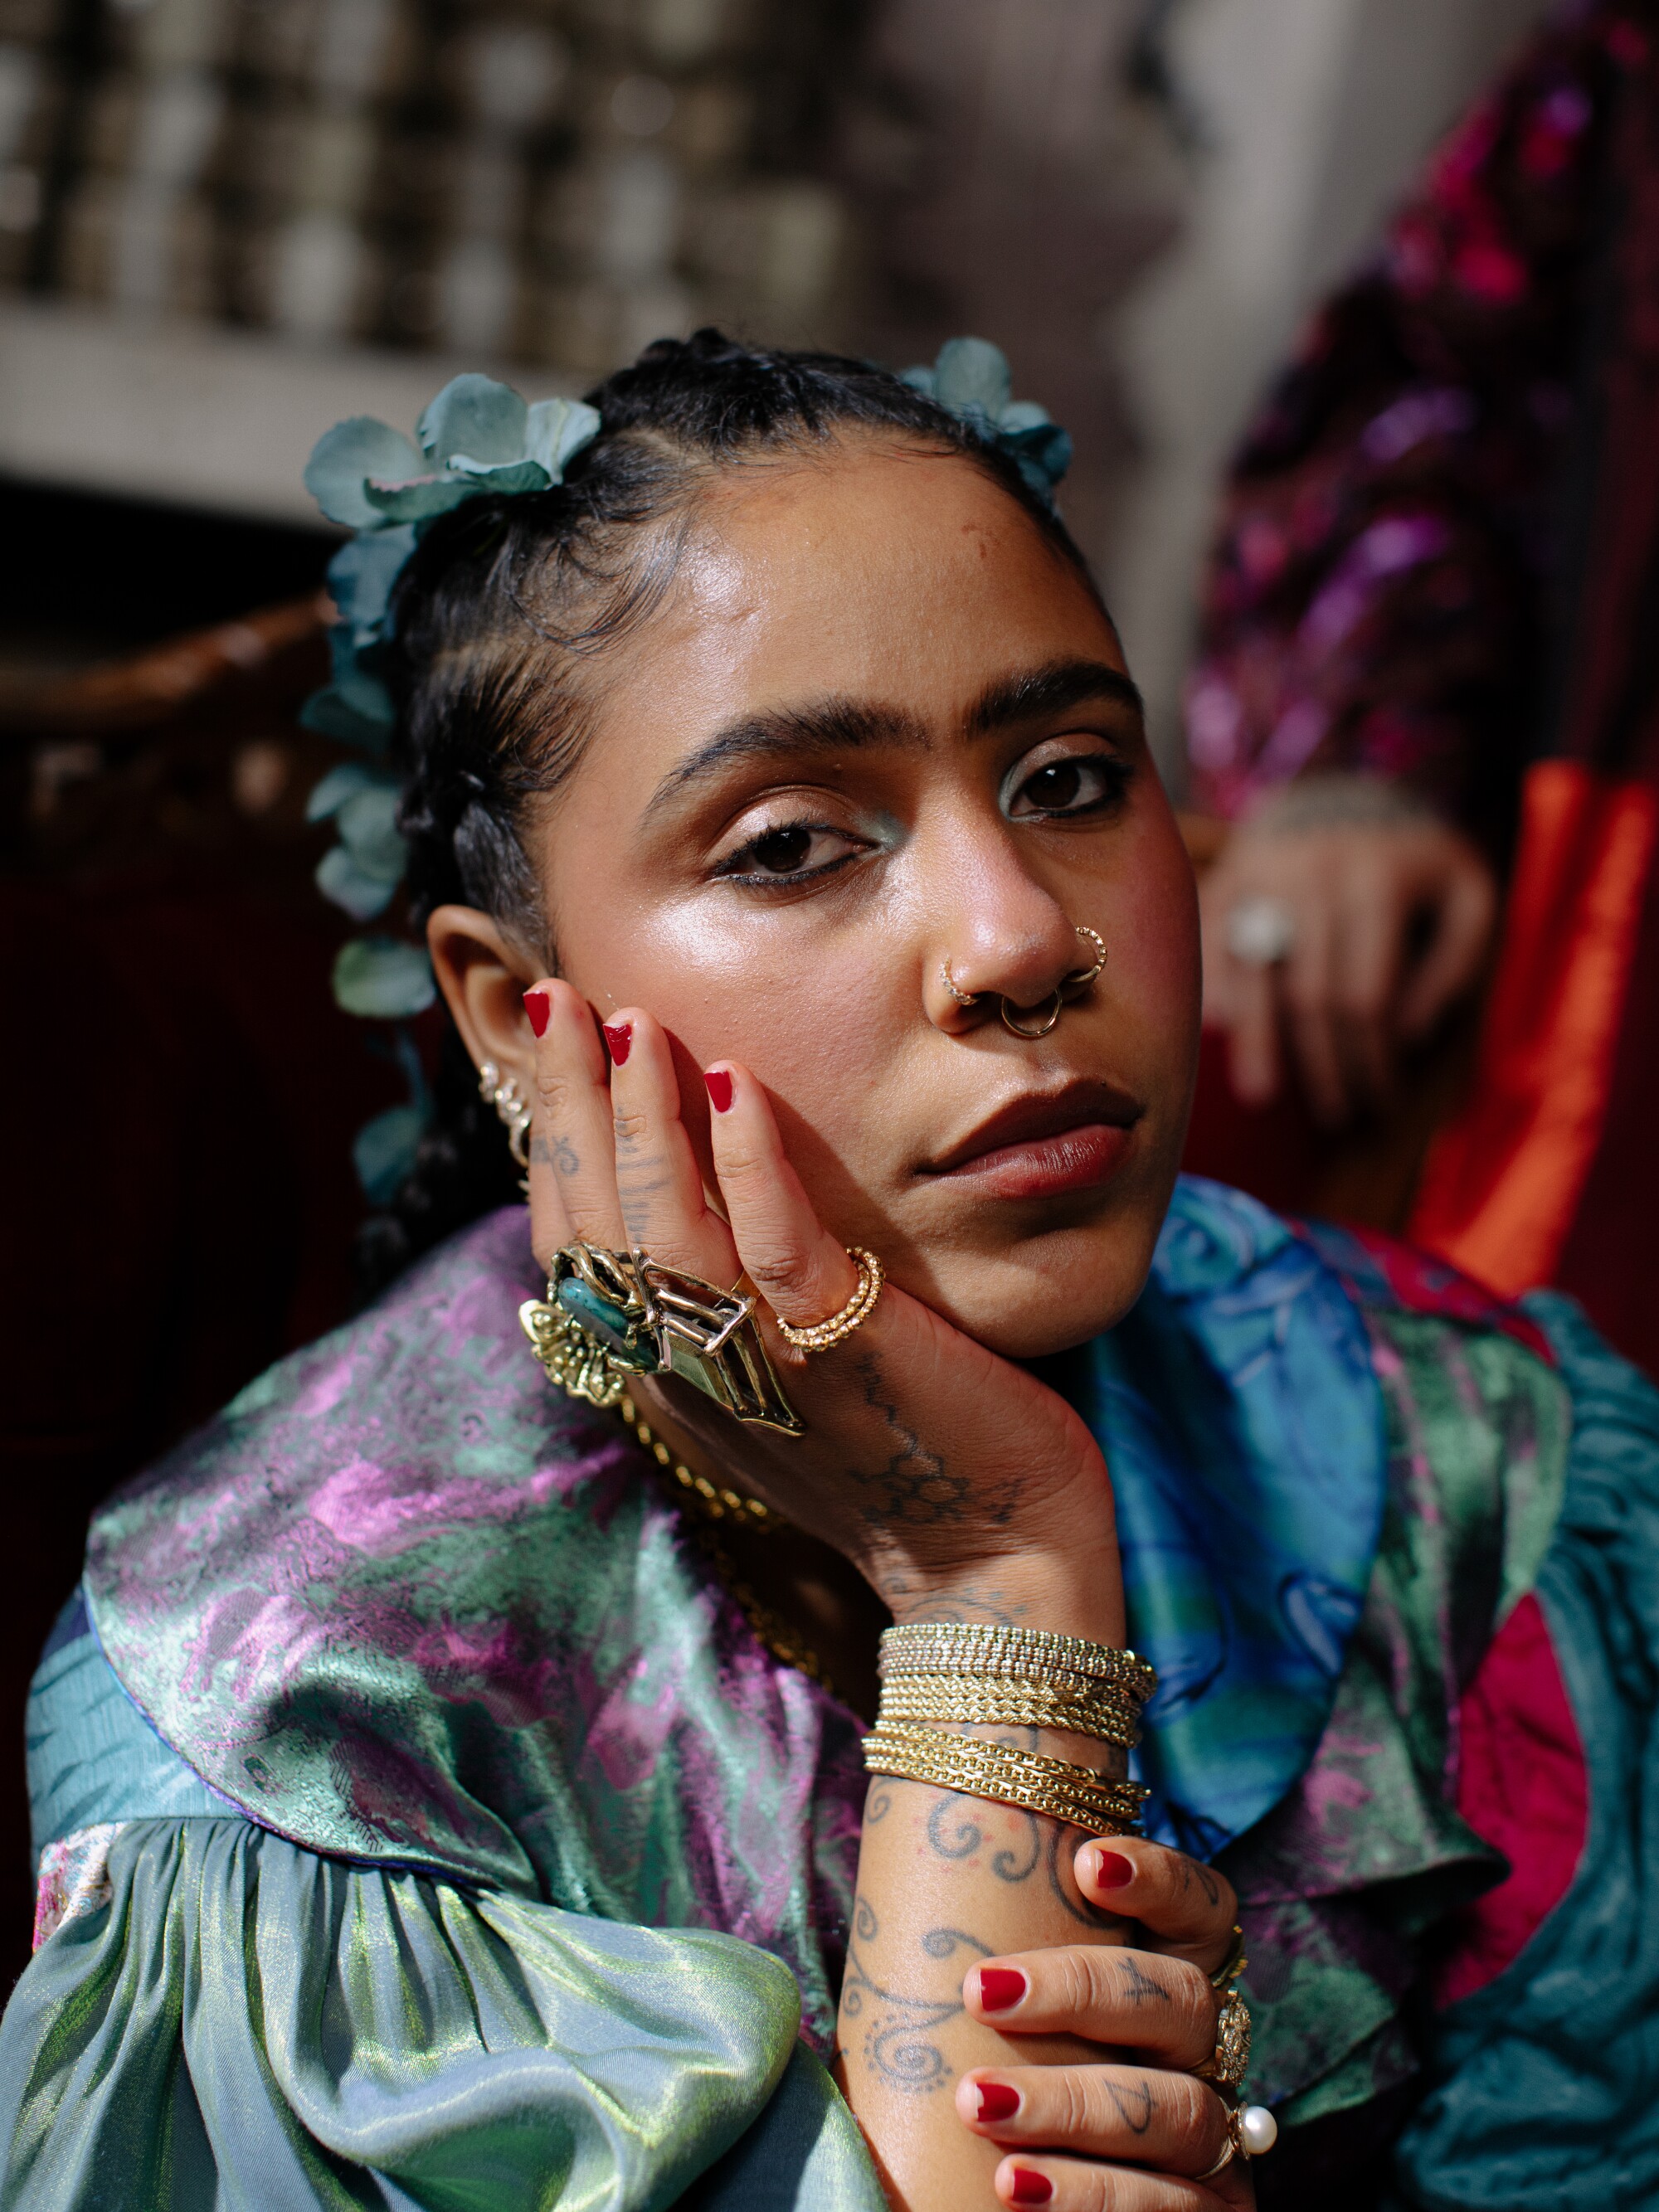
[781, 851]
[790, 853]
[1072, 786]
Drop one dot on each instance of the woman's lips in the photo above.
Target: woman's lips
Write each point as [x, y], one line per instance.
[1048, 1167]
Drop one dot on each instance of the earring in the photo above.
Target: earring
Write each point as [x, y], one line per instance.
[512, 1108]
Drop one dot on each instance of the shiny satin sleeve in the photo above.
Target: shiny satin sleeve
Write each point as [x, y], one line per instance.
[232, 2020]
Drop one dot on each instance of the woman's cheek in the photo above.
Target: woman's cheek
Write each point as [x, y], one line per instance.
[1158, 975]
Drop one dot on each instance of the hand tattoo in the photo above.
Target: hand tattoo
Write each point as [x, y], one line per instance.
[914, 1489]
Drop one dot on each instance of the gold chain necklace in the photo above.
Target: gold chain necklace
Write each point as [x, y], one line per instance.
[712, 1506]
[706, 1499]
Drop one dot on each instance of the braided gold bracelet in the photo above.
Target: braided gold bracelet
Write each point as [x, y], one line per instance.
[951, 1647]
[1104, 1714]
[1005, 1775]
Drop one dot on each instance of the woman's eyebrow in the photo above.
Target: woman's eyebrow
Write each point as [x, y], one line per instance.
[1050, 691]
[842, 725]
[827, 725]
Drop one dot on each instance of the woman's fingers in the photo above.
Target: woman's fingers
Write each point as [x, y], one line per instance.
[1193, 1907]
[1065, 2185]
[658, 1181]
[1167, 2121]
[573, 1178]
[1465, 908]
[1253, 1052]
[797, 1268]
[1137, 2000]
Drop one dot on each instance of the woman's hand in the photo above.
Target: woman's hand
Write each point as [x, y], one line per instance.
[1389, 915]
[939, 1469]
[1127, 2134]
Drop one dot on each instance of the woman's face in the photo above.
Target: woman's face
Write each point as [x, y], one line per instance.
[880, 728]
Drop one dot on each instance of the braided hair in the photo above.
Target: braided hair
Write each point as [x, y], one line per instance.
[497, 617]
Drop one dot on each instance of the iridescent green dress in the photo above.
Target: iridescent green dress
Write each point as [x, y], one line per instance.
[421, 1825]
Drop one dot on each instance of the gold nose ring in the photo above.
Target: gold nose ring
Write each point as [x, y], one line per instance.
[1050, 1009]
[962, 998]
[1080, 978]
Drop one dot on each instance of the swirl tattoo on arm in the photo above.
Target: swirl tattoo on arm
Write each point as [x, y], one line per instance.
[899, 2028]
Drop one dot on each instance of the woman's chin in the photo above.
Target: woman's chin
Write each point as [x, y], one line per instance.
[1029, 1311]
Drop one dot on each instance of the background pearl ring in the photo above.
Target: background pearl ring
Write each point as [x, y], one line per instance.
[1261, 930]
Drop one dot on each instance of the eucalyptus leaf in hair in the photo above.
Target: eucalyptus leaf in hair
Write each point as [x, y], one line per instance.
[476, 439]
[383, 978]
[384, 1150]
[363, 896]
[971, 378]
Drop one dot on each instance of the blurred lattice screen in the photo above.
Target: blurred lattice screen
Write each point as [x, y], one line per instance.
[553, 182]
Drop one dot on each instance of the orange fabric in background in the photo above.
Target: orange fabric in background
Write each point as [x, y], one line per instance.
[1503, 1180]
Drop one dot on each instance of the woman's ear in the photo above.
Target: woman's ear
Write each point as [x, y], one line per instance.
[485, 977]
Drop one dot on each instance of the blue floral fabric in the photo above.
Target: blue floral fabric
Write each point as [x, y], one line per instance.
[1241, 1420]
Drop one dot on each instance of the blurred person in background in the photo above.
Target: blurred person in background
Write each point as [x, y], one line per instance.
[1427, 669]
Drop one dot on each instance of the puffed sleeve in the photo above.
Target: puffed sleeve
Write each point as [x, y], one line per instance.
[229, 2020]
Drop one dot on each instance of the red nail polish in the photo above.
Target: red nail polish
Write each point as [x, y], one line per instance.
[1112, 1870]
[619, 1036]
[1000, 1988]
[1025, 2187]
[997, 2102]
[538, 1007]
[720, 1089]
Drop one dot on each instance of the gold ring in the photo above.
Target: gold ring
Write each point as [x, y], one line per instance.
[1081, 977]
[1050, 1009]
[1231, 2060]
[1229, 2152]
[1055, 1007]
[962, 998]
[1232, 1967]
[609, 1317]
[820, 1335]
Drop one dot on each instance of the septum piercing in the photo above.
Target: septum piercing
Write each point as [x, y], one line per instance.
[1049, 1010]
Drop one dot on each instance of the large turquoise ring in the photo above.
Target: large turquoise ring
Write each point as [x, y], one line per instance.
[610, 1316]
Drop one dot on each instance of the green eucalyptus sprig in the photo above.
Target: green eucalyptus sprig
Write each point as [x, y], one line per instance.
[971, 378]
[477, 438]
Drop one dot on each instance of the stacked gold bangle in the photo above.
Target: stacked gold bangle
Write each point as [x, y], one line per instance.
[950, 1647]
[967, 1698]
[936, 1674]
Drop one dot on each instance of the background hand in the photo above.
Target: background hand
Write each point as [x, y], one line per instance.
[1133, 2130]
[1391, 912]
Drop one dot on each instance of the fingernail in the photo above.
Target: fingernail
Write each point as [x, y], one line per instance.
[997, 2102]
[619, 1036]
[1110, 1869]
[1000, 1988]
[538, 1007]
[1025, 2187]
[720, 1090]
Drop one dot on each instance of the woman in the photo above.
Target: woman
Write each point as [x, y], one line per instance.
[430, 1817]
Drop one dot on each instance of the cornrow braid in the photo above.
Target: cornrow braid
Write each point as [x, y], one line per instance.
[499, 611]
